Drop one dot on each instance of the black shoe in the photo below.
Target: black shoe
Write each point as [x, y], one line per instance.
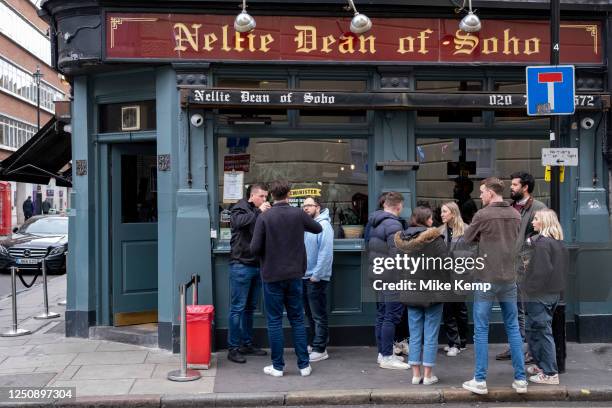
[528, 358]
[504, 355]
[252, 350]
[235, 356]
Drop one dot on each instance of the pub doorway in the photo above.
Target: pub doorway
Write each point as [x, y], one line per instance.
[133, 187]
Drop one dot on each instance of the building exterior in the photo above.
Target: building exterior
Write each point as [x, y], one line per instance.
[175, 114]
[24, 48]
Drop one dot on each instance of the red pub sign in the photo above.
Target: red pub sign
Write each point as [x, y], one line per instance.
[283, 38]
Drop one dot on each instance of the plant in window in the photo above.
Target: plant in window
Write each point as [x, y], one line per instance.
[349, 223]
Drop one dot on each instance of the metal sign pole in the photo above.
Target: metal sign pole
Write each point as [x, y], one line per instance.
[46, 314]
[183, 374]
[15, 331]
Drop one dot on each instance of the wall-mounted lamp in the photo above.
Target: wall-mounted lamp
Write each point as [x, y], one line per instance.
[244, 23]
[470, 23]
[360, 22]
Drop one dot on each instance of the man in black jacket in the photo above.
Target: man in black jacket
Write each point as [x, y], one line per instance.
[279, 241]
[28, 208]
[245, 282]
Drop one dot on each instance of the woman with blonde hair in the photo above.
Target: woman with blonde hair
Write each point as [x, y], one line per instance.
[455, 316]
[542, 286]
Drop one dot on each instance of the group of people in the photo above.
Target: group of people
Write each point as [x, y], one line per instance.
[524, 261]
[289, 251]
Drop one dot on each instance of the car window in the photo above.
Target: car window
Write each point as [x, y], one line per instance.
[48, 226]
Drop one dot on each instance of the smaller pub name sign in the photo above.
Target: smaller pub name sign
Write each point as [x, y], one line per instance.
[212, 37]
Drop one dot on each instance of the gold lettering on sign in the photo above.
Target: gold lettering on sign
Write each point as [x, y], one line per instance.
[403, 48]
[266, 40]
[362, 44]
[422, 37]
[327, 41]
[507, 41]
[225, 46]
[209, 39]
[346, 45]
[183, 34]
[465, 43]
[306, 39]
[489, 45]
[239, 40]
[532, 42]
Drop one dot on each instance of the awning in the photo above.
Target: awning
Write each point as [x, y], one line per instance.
[41, 158]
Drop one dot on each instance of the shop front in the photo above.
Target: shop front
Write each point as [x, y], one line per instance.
[175, 114]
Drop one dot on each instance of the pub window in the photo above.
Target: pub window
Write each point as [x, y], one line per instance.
[448, 86]
[430, 117]
[319, 86]
[114, 117]
[515, 118]
[337, 169]
[251, 116]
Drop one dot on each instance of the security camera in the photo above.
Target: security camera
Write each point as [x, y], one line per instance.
[197, 120]
[587, 123]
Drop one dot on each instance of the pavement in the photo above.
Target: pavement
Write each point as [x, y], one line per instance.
[114, 374]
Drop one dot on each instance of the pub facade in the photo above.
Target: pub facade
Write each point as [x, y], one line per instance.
[175, 113]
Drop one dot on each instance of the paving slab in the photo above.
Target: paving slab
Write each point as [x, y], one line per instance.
[26, 380]
[162, 357]
[56, 338]
[97, 387]
[62, 347]
[161, 386]
[111, 357]
[38, 361]
[112, 346]
[67, 373]
[111, 371]
[11, 341]
[18, 370]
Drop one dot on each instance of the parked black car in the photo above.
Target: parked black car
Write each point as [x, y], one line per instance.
[40, 236]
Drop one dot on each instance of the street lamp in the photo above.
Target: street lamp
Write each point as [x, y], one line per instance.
[471, 22]
[244, 22]
[37, 77]
[360, 22]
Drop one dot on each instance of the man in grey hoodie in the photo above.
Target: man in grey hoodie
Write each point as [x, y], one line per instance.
[319, 259]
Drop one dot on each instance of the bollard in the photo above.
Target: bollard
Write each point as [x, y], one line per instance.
[183, 374]
[15, 331]
[46, 314]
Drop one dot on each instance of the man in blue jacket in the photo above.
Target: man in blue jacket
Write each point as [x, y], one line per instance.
[319, 258]
[278, 240]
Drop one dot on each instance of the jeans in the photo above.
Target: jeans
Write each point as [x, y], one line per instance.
[520, 306]
[483, 302]
[456, 323]
[287, 294]
[539, 332]
[315, 306]
[245, 289]
[424, 325]
[388, 315]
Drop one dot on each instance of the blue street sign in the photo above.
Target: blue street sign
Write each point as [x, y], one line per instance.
[550, 90]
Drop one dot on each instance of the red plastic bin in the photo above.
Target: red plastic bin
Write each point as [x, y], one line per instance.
[199, 335]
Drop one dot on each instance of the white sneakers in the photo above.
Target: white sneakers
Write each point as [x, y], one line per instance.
[316, 356]
[477, 387]
[380, 357]
[542, 378]
[401, 347]
[430, 380]
[305, 372]
[480, 387]
[533, 369]
[392, 363]
[520, 386]
[453, 352]
[270, 370]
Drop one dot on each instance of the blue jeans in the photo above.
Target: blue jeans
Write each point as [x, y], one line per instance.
[287, 294]
[245, 289]
[424, 323]
[483, 302]
[539, 332]
[388, 315]
[315, 307]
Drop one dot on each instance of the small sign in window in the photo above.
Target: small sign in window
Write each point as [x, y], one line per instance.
[130, 118]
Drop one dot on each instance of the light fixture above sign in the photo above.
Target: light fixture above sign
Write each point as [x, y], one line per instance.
[244, 22]
[360, 22]
[470, 23]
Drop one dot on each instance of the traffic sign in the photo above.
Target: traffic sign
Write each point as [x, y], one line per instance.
[560, 156]
[550, 90]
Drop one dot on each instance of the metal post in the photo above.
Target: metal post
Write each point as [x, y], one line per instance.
[183, 374]
[37, 77]
[46, 314]
[194, 279]
[15, 331]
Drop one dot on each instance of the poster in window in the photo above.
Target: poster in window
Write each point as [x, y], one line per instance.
[233, 185]
[130, 118]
